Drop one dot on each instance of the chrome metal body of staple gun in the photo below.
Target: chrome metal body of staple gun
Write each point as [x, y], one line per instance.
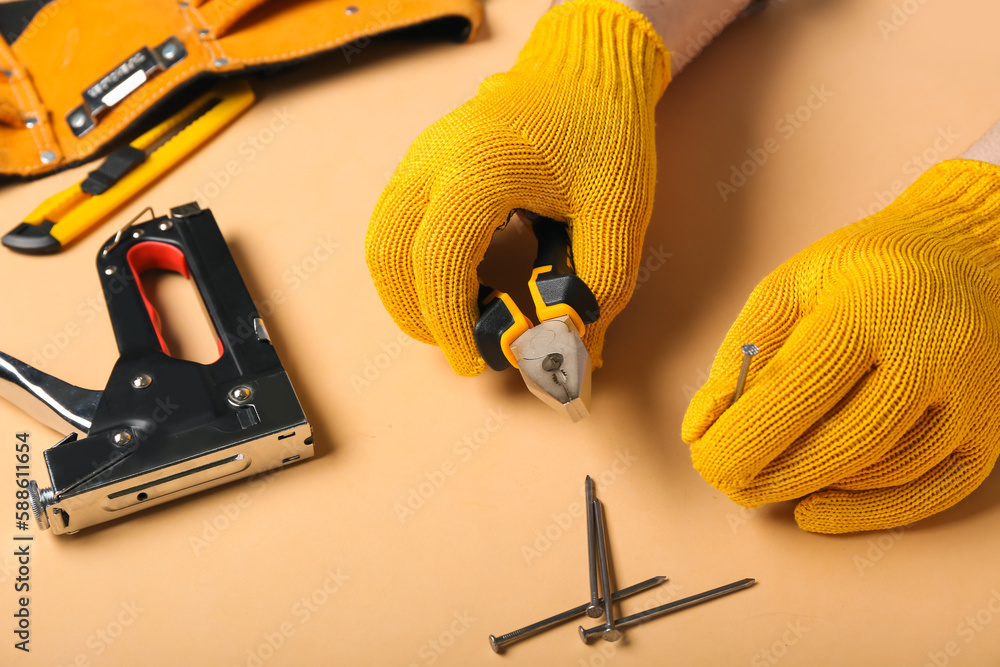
[163, 427]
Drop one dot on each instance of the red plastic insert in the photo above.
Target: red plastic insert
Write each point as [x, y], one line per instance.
[156, 255]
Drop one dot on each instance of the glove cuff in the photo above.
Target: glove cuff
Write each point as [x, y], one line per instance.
[600, 42]
[958, 201]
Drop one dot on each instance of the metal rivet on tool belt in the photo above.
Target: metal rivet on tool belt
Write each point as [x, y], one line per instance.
[47, 156]
[31, 122]
[203, 32]
[351, 10]
[77, 119]
[219, 62]
[7, 73]
[141, 381]
[121, 438]
[169, 51]
[240, 394]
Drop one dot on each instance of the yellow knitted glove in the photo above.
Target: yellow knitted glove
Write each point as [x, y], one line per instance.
[567, 133]
[875, 396]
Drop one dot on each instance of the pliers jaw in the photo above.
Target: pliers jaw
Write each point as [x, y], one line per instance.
[551, 355]
[555, 366]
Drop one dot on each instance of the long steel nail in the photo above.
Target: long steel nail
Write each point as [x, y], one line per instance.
[610, 633]
[749, 350]
[594, 610]
[498, 643]
[628, 621]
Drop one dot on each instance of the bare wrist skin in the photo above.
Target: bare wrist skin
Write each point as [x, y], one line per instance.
[987, 149]
[685, 26]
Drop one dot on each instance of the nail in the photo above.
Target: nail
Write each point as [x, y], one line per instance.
[635, 619]
[498, 643]
[594, 610]
[610, 633]
[749, 350]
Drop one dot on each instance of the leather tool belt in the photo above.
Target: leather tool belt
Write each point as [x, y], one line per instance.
[74, 74]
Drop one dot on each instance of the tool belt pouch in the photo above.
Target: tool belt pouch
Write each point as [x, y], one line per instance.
[74, 74]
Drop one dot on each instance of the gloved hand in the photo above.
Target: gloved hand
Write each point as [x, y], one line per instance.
[875, 396]
[567, 133]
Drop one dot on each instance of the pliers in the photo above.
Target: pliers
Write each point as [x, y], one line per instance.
[551, 355]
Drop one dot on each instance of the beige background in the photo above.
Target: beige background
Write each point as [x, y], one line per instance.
[428, 587]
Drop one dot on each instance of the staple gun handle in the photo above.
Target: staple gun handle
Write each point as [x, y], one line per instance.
[190, 243]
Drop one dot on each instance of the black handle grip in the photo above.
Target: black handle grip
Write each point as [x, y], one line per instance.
[500, 323]
[555, 287]
[188, 242]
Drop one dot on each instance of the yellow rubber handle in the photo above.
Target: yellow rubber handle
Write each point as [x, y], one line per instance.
[73, 212]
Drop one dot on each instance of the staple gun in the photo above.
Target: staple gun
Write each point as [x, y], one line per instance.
[162, 427]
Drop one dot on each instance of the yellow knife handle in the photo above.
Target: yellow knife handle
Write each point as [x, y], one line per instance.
[64, 217]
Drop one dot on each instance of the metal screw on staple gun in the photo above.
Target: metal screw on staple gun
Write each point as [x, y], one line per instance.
[240, 394]
[141, 381]
[121, 437]
[110, 270]
[166, 225]
[39, 499]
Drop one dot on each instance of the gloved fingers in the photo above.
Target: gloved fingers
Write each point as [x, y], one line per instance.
[841, 511]
[866, 424]
[607, 244]
[819, 364]
[467, 205]
[389, 244]
[937, 433]
[767, 320]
